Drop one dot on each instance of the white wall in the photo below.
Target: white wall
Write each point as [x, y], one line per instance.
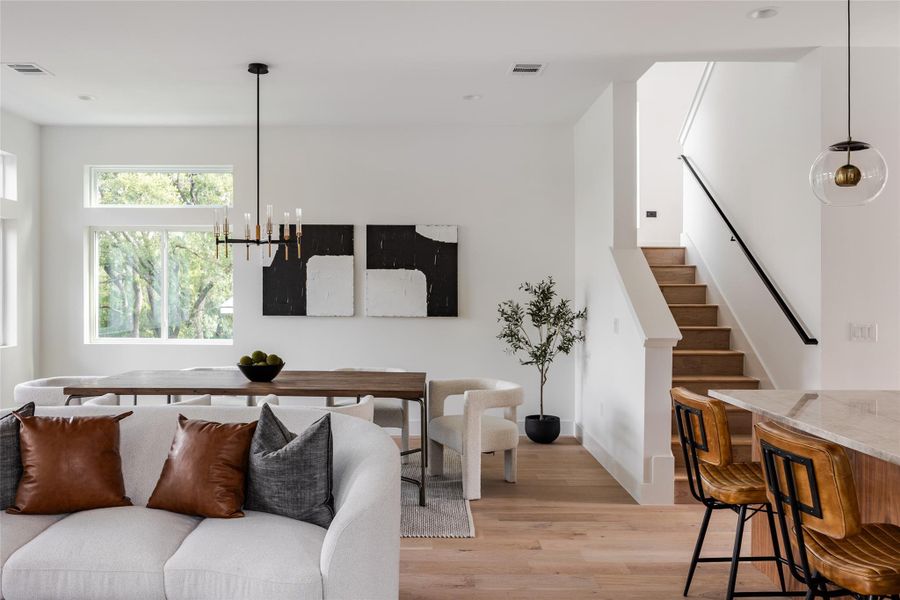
[622, 408]
[861, 245]
[753, 138]
[21, 137]
[509, 190]
[664, 95]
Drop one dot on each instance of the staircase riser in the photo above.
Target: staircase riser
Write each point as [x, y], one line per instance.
[674, 274]
[708, 365]
[716, 339]
[739, 452]
[664, 256]
[740, 422]
[704, 387]
[684, 295]
[685, 316]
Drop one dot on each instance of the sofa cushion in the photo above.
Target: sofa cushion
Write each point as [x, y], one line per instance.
[69, 464]
[106, 553]
[18, 530]
[259, 556]
[205, 472]
[291, 475]
[10, 459]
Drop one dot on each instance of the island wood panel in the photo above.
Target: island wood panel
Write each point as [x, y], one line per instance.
[877, 489]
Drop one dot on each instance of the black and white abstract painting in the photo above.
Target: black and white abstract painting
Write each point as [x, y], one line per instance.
[320, 284]
[411, 271]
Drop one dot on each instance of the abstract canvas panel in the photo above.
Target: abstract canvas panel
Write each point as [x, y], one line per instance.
[411, 271]
[320, 284]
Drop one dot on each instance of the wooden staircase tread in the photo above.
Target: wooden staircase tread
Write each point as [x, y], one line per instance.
[694, 305]
[679, 285]
[737, 439]
[663, 247]
[704, 328]
[710, 352]
[705, 378]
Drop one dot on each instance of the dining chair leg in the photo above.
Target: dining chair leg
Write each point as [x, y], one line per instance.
[698, 546]
[776, 546]
[510, 465]
[736, 555]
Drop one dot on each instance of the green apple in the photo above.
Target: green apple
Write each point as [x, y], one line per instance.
[258, 356]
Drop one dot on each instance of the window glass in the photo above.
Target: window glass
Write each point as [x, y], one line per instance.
[161, 187]
[200, 288]
[129, 284]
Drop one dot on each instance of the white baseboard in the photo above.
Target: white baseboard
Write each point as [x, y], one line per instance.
[659, 491]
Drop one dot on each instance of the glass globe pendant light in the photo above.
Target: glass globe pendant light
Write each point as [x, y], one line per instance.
[848, 173]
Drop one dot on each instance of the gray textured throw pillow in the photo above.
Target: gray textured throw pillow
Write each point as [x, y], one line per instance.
[10, 459]
[291, 475]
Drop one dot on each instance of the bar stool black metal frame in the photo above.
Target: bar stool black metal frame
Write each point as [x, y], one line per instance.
[689, 446]
[817, 585]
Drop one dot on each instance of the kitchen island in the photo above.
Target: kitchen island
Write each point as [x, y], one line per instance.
[865, 422]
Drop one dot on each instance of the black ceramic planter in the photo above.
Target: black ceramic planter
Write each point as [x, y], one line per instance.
[542, 430]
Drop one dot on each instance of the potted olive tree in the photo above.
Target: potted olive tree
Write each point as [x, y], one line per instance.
[553, 333]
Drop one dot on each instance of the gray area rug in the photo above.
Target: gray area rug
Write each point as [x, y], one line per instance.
[446, 513]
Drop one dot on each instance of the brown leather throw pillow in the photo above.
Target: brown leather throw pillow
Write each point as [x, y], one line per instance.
[204, 472]
[69, 464]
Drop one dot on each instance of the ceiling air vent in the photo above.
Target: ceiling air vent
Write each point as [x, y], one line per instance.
[526, 69]
[28, 68]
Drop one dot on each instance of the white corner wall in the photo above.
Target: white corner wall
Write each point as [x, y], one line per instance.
[861, 245]
[18, 362]
[758, 129]
[508, 188]
[753, 138]
[664, 95]
[622, 405]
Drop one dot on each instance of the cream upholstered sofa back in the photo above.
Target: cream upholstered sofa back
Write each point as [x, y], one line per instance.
[360, 554]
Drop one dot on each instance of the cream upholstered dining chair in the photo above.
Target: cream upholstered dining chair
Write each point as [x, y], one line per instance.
[48, 391]
[389, 412]
[473, 432]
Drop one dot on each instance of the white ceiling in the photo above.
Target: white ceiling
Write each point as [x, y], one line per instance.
[177, 63]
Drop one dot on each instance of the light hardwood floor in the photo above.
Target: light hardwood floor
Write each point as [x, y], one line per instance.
[568, 530]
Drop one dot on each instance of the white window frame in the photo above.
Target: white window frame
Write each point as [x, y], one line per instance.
[94, 286]
[8, 250]
[133, 217]
[92, 189]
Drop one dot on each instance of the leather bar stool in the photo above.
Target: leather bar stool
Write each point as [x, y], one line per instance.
[811, 481]
[719, 483]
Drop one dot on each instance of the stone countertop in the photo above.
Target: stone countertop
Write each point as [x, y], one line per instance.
[867, 421]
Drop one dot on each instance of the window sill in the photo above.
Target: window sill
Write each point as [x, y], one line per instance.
[157, 342]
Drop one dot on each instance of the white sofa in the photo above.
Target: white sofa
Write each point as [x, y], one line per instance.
[136, 552]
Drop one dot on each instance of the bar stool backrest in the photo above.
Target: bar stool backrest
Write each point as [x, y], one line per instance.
[703, 426]
[703, 431]
[810, 480]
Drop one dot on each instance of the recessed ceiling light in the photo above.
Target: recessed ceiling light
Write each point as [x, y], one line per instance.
[763, 13]
[86, 97]
[472, 97]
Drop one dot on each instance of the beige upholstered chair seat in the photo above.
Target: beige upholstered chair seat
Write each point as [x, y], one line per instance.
[390, 412]
[497, 433]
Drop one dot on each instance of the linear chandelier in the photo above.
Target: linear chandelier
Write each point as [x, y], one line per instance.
[224, 232]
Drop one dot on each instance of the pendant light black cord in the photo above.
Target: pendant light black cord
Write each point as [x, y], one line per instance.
[257, 149]
[849, 137]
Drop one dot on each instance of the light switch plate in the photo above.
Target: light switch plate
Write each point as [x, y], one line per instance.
[863, 332]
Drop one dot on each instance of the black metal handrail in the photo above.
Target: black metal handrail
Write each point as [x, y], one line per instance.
[782, 304]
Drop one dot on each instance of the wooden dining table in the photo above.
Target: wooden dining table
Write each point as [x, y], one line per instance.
[405, 386]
